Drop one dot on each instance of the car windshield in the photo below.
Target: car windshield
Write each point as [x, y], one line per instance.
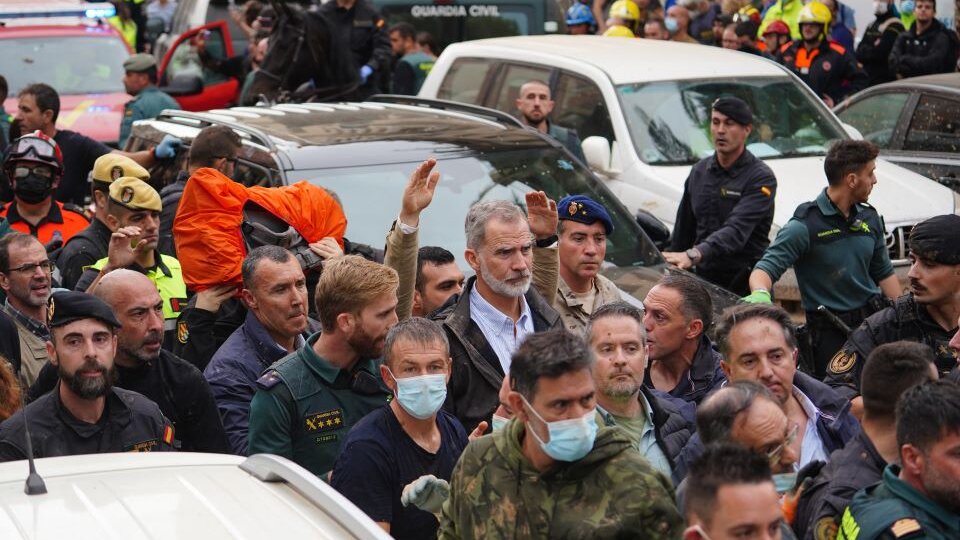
[71, 64]
[371, 197]
[670, 121]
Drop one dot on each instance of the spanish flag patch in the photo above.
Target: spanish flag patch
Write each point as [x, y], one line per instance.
[766, 191]
[168, 435]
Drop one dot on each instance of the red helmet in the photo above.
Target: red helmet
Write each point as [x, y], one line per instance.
[777, 27]
[34, 147]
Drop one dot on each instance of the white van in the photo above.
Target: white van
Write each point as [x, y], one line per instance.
[642, 110]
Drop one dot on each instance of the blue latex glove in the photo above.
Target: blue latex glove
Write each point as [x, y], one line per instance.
[167, 148]
[365, 72]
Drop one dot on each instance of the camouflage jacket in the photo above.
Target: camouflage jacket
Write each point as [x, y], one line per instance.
[495, 493]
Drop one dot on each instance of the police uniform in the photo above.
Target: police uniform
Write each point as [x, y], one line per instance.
[411, 70]
[148, 103]
[362, 30]
[91, 244]
[892, 510]
[829, 69]
[63, 221]
[839, 261]
[304, 407]
[129, 422]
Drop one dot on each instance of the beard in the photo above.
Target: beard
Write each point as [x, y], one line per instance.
[941, 489]
[619, 390]
[504, 288]
[365, 345]
[89, 388]
[138, 353]
[534, 118]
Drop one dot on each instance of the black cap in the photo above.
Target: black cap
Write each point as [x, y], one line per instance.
[68, 306]
[736, 108]
[937, 239]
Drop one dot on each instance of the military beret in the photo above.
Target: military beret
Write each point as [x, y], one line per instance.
[134, 194]
[139, 62]
[736, 108]
[585, 210]
[937, 239]
[109, 167]
[67, 306]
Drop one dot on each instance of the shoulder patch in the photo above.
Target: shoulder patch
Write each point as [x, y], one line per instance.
[843, 361]
[268, 380]
[825, 529]
[183, 333]
[906, 528]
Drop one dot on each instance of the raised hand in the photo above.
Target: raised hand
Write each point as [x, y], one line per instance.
[542, 215]
[419, 192]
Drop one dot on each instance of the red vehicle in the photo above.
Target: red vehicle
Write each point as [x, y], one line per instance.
[69, 45]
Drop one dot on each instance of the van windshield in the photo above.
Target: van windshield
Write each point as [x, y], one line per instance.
[669, 121]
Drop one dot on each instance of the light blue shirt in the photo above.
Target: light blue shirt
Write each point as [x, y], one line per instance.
[811, 447]
[503, 335]
[647, 444]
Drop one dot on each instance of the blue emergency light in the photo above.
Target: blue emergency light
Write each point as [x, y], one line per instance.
[90, 10]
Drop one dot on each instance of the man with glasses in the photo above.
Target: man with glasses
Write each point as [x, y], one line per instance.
[34, 166]
[758, 343]
[25, 279]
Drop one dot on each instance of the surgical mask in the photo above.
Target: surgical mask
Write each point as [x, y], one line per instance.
[879, 8]
[671, 24]
[784, 482]
[498, 422]
[571, 439]
[907, 7]
[33, 189]
[421, 396]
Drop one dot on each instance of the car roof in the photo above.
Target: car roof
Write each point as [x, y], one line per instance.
[944, 80]
[629, 60]
[174, 495]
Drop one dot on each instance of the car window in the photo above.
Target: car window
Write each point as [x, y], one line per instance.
[935, 126]
[876, 116]
[186, 59]
[579, 104]
[508, 84]
[71, 64]
[669, 121]
[464, 80]
[455, 22]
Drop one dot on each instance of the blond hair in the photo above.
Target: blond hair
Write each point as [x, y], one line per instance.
[350, 283]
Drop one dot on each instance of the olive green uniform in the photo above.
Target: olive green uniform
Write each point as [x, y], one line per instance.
[304, 407]
[892, 510]
[147, 104]
[613, 492]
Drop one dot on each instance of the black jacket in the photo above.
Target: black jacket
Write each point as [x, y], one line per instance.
[170, 201]
[363, 32]
[704, 376]
[81, 250]
[832, 69]
[875, 46]
[836, 426]
[934, 51]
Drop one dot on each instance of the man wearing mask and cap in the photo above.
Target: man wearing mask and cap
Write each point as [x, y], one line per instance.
[927, 314]
[85, 413]
[90, 244]
[133, 214]
[725, 214]
[551, 465]
[873, 52]
[140, 81]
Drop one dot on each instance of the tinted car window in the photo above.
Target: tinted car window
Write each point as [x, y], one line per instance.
[935, 126]
[464, 80]
[371, 196]
[511, 78]
[578, 104]
[876, 116]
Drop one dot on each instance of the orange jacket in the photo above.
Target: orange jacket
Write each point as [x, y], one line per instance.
[67, 219]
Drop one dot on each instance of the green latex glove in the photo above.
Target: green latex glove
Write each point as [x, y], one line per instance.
[758, 297]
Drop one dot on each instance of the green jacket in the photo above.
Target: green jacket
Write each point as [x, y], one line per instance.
[495, 493]
[893, 509]
[147, 104]
[304, 407]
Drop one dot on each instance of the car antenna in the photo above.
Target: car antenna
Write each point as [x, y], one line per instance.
[35, 484]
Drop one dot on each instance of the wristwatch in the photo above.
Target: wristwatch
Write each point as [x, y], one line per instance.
[546, 242]
[694, 255]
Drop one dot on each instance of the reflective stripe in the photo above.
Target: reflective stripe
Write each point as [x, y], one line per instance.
[849, 528]
[169, 325]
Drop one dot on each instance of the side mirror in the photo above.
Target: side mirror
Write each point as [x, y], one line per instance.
[655, 229]
[853, 132]
[597, 151]
[184, 84]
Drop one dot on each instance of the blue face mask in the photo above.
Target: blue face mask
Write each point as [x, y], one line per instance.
[421, 396]
[498, 422]
[784, 482]
[570, 440]
[907, 7]
[672, 26]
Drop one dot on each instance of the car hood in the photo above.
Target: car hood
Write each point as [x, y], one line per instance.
[637, 282]
[97, 116]
[802, 179]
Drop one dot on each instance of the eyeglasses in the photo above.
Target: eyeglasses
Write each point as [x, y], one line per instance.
[30, 268]
[774, 455]
[41, 170]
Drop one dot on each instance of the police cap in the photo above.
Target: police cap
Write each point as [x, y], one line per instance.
[134, 194]
[735, 108]
[937, 239]
[67, 306]
[139, 63]
[110, 167]
[583, 209]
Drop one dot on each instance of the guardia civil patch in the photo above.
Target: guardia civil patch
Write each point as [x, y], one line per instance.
[323, 421]
[183, 334]
[825, 529]
[843, 361]
[145, 446]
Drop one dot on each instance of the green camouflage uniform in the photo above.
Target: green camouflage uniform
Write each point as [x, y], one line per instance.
[495, 493]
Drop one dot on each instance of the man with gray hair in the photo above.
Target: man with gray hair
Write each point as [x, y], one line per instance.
[497, 308]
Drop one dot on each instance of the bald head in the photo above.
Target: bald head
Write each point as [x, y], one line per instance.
[122, 282]
[139, 308]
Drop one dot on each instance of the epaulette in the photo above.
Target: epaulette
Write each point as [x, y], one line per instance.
[906, 528]
[268, 380]
[838, 47]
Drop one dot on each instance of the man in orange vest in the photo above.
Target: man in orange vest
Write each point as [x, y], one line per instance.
[34, 166]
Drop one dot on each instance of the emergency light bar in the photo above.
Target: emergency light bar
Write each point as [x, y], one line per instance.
[90, 10]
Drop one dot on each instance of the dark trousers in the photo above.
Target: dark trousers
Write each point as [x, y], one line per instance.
[827, 337]
[735, 280]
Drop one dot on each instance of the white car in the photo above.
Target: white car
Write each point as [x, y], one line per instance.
[642, 110]
[176, 495]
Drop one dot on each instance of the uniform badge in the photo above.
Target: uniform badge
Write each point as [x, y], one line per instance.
[323, 421]
[145, 446]
[827, 66]
[50, 309]
[183, 334]
[127, 195]
[168, 435]
[905, 527]
[825, 529]
[572, 208]
[843, 361]
[766, 191]
[116, 172]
